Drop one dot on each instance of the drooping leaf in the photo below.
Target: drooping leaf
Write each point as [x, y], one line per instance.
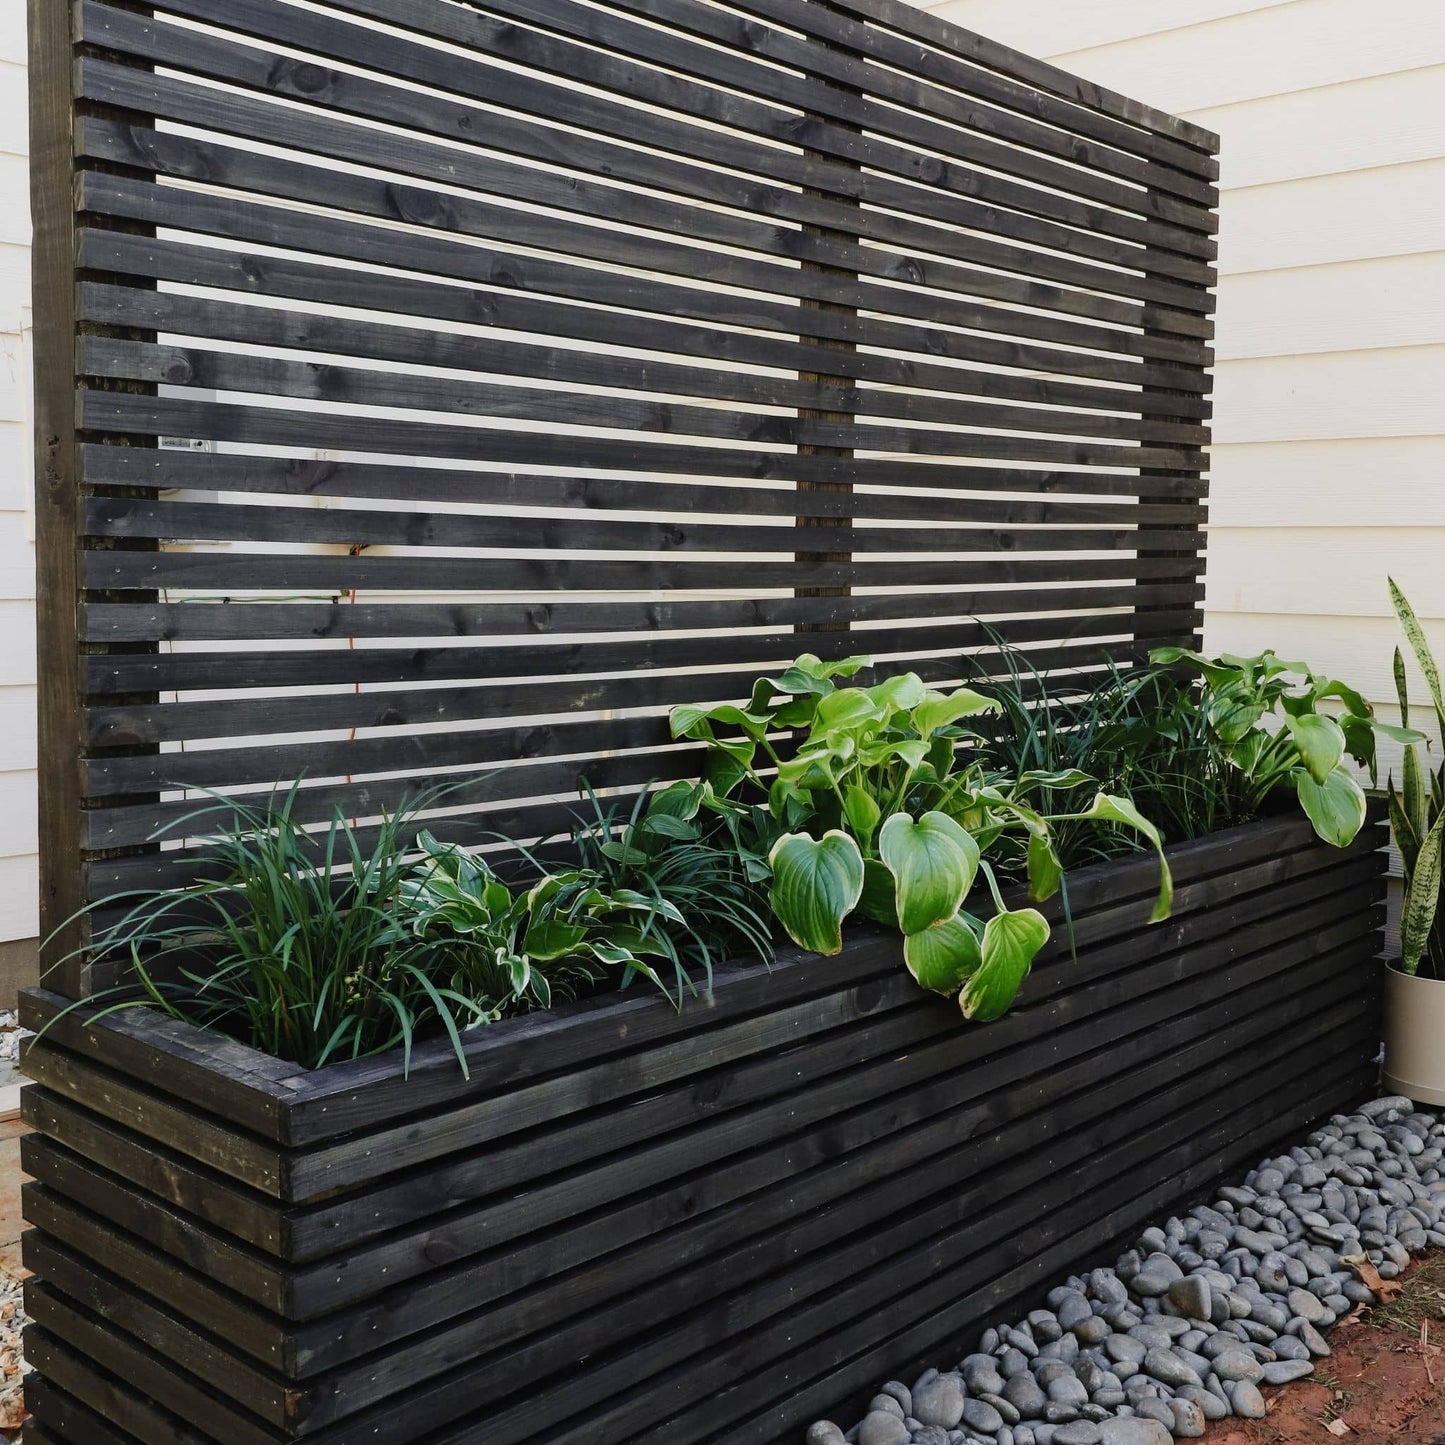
[942, 958]
[1111, 809]
[936, 709]
[1336, 806]
[1046, 871]
[934, 861]
[691, 721]
[1320, 741]
[1232, 715]
[816, 884]
[1011, 941]
[1422, 898]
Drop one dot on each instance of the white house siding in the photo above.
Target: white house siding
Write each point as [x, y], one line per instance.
[17, 552]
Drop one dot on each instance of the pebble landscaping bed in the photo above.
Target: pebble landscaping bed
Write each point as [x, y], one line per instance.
[1196, 1316]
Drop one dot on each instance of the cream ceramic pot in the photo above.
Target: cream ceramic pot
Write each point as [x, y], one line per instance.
[1415, 1037]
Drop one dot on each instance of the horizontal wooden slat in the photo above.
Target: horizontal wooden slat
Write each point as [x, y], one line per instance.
[281, 276]
[352, 93]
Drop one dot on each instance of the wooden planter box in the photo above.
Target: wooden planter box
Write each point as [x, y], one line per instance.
[637, 1226]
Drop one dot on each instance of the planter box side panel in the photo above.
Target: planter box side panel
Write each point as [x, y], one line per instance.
[745, 1222]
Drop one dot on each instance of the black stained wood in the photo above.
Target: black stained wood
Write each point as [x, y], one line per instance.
[607, 321]
[889, 1153]
[947, 196]
[57, 493]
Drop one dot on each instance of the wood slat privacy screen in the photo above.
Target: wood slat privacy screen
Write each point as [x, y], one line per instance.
[462, 384]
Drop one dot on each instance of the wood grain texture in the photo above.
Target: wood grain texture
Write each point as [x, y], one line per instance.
[632, 1224]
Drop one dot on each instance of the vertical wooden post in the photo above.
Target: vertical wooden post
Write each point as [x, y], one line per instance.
[834, 524]
[58, 524]
[1192, 638]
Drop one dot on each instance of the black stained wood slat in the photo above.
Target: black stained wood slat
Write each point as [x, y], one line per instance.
[1039, 80]
[1014, 1229]
[856, 125]
[413, 1437]
[434, 251]
[183, 671]
[746, 276]
[903, 91]
[119, 724]
[224, 573]
[278, 329]
[252, 272]
[332, 384]
[394, 527]
[238, 620]
[1044, 215]
[900, 247]
[337, 1168]
[348, 1393]
[359, 431]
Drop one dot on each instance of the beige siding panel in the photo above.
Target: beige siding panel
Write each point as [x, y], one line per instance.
[1379, 121]
[1390, 211]
[14, 469]
[1331, 572]
[1046, 27]
[15, 213]
[12, 32]
[17, 651]
[1268, 52]
[21, 835]
[1340, 394]
[1374, 481]
[1389, 301]
[14, 109]
[19, 895]
[17, 728]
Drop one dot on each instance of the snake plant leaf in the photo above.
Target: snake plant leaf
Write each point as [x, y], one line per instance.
[1422, 898]
[816, 884]
[937, 710]
[944, 957]
[1011, 942]
[934, 861]
[862, 813]
[1336, 806]
[1419, 645]
[1321, 743]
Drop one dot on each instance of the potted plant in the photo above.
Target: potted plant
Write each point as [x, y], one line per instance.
[1415, 981]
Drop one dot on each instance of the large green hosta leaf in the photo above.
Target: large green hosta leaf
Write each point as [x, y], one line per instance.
[1336, 806]
[942, 958]
[1321, 743]
[934, 861]
[1010, 943]
[816, 884]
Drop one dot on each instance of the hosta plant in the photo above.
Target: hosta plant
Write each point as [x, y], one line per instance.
[877, 812]
[529, 948]
[1267, 712]
[1417, 813]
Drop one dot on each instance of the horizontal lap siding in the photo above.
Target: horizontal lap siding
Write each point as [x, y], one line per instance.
[557, 363]
[756, 1216]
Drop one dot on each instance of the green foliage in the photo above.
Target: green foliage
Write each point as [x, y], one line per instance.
[1266, 713]
[701, 856]
[1417, 812]
[296, 945]
[879, 812]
